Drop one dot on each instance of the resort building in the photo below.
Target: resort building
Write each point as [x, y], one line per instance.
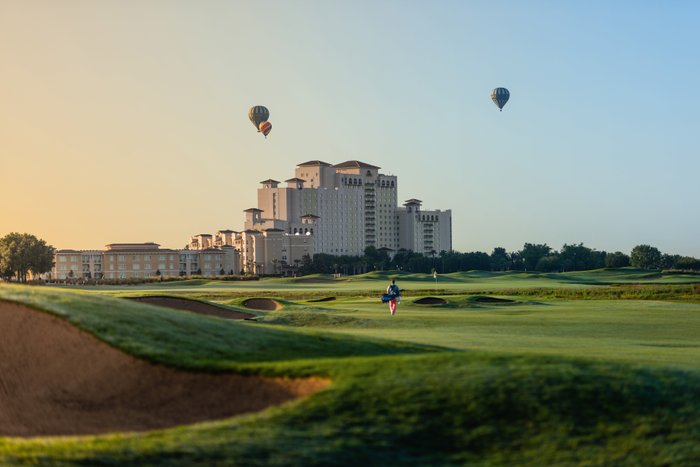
[346, 208]
[127, 260]
[426, 232]
[336, 209]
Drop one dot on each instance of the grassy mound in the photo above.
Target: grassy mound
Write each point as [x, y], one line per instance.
[313, 319]
[430, 301]
[324, 299]
[441, 409]
[187, 340]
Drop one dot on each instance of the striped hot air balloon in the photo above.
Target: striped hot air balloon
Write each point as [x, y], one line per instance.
[500, 96]
[258, 114]
[265, 128]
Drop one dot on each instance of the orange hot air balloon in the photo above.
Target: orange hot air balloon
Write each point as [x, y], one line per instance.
[265, 128]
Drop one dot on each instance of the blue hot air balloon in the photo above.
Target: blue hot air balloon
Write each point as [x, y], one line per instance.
[500, 96]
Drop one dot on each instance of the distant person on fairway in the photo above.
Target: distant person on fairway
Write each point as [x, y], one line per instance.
[394, 294]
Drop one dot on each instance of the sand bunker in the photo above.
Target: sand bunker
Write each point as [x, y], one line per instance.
[430, 301]
[58, 380]
[193, 306]
[324, 299]
[266, 304]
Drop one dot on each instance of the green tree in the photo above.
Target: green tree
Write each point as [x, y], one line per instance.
[531, 254]
[21, 254]
[687, 263]
[645, 257]
[549, 263]
[617, 260]
[580, 258]
[499, 259]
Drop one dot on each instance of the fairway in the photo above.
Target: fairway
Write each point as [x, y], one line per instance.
[648, 332]
[503, 369]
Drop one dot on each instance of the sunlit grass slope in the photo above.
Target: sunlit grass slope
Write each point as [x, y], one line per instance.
[188, 340]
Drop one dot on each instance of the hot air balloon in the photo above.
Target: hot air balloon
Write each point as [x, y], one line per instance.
[500, 96]
[265, 128]
[258, 114]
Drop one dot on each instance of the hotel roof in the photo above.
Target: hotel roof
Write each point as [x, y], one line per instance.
[355, 165]
[269, 180]
[133, 246]
[252, 210]
[314, 163]
[295, 179]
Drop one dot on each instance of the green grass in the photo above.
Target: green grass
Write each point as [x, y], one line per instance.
[415, 283]
[566, 374]
[187, 340]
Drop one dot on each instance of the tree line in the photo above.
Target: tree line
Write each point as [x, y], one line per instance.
[22, 254]
[532, 257]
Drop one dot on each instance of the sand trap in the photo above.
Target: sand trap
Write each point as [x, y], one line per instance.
[266, 304]
[324, 299]
[430, 301]
[193, 306]
[58, 380]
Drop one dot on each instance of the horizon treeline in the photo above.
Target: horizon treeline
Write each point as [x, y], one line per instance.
[532, 257]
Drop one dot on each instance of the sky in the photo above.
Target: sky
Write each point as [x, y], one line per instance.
[126, 121]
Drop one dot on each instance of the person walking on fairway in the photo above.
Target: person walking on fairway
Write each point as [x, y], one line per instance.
[395, 293]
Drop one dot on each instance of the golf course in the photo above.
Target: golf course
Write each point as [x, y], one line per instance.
[478, 368]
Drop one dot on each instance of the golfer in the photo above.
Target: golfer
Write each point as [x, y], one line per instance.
[395, 293]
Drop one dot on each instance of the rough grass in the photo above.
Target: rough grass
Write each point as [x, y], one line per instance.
[442, 409]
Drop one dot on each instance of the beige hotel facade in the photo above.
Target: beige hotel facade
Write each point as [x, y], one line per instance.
[335, 209]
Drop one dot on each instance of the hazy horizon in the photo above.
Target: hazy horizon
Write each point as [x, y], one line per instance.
[127, 121]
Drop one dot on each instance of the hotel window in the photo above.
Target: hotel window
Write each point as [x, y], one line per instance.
[62, 259]
[161, 266]
[135, 258]
[136, 267]
[147, 266]
[161, 257]
[146, 257]
[122, 267]
[122, 258]
[73, 259]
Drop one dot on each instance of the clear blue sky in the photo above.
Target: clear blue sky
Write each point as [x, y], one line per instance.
[598, 143]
